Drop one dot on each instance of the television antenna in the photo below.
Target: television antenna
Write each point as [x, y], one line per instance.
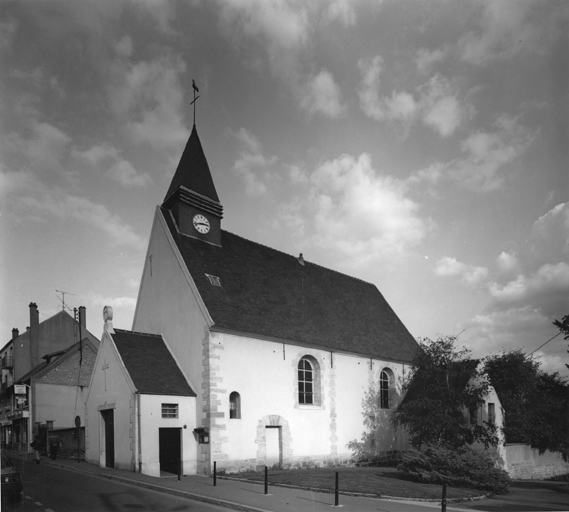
[62, 299]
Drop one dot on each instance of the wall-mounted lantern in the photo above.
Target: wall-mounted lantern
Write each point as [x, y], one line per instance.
[203, 435]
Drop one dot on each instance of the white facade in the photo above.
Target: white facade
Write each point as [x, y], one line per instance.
[137, 419]
[262, 371]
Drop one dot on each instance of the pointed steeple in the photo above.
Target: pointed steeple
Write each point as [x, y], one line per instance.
[192, 197]
[193, 171]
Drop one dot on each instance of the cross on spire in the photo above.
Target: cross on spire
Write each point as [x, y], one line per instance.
[195, 88]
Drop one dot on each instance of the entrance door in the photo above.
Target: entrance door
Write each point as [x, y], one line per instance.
[273, 446]
[109, 420]
[170, 449]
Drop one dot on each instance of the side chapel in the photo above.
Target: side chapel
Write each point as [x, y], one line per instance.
[279, 350]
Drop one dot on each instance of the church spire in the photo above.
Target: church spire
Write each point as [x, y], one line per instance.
[192, 197]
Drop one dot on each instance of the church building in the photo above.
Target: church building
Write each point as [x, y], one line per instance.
[279, 351]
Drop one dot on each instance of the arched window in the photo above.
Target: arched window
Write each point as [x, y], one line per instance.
[234, 406]
[305, 382]
[384, 390]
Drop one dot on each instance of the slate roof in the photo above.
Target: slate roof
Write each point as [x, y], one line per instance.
[193, 170]
[150, 364]
[266, 292]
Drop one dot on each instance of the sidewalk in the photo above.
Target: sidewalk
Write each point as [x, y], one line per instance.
[243, 496]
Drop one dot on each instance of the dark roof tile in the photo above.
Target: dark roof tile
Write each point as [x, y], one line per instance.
[150, 364]
[269, 293]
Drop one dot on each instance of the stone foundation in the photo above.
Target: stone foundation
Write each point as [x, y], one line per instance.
[526, 463]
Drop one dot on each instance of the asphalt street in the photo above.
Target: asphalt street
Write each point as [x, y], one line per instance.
[49, 489]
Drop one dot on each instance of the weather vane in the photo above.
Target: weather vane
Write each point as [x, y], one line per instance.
[195, 88]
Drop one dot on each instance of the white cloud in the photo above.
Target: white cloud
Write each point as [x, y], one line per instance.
[361, 213]
[342, 10]
[504, 31]
[507, 262]
[118, 169]
[520, 311]
[436, 103]
[252, 165]
[148, 94]
[8, 28]
[27, 198]
[425, 59]
[488, 154]
[469, 274]
[321, 94]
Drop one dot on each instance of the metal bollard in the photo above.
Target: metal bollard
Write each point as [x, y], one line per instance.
[266, 480]
[337, 492]
[214, 473]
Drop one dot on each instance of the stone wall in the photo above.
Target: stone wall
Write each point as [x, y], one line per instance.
[525, 463]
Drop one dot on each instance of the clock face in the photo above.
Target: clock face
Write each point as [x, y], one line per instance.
[201, 224]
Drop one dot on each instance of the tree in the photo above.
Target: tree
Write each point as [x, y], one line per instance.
[445, 384]
[535, 402]
[563, 326]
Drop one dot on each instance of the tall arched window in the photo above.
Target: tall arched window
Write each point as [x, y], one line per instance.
[234, 406]
[384, 390]
[305, 382]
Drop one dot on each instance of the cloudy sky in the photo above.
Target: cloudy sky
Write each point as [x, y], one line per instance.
[418, 145]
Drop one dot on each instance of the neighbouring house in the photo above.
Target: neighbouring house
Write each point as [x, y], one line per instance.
[280, 350]
[141, 410]
[44, 374]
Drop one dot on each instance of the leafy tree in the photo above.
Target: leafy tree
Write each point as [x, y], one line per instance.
[563, 326]
[535, 402]
[445, 384]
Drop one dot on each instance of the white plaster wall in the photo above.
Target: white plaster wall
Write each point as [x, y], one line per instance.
[167, 306]
[151, 412]
[355, 377]
[265, 380]
[60, 404]
[120, 395]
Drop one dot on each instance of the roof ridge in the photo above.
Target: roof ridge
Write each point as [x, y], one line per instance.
[137, 332]
[295, 257]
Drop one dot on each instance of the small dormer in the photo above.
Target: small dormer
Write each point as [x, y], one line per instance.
[192, 197]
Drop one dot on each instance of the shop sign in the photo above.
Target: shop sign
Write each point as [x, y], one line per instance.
[19, 389]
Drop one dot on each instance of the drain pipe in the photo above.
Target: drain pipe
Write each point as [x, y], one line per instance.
[139, 429]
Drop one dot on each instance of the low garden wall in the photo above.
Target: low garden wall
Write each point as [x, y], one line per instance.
[525, 463]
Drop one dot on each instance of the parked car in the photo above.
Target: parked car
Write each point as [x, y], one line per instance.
[11, 484]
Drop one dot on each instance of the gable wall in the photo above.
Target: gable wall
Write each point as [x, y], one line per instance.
[266, 380]
[55, 333]
[167, 306]
[118, 397]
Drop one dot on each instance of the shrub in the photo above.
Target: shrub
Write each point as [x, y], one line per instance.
[463, 467]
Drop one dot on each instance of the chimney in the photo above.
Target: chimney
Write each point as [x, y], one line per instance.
[15, 333]
[34, 327]
[83, 316]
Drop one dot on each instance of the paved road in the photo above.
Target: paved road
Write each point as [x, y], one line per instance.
[48, 489]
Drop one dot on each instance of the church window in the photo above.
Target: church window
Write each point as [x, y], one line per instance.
[169, 410]
[305, 382]
[234, 406]
[213, 280]
[491, 414]
[384, 390]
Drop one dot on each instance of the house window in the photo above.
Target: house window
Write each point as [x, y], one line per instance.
[305, 382]
[491, 414]
[234, 406]
[473, 415]
[169, 410]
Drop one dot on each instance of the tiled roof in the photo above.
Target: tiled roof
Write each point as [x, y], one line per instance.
[193, 170]
[150, 365]
[268, 293]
